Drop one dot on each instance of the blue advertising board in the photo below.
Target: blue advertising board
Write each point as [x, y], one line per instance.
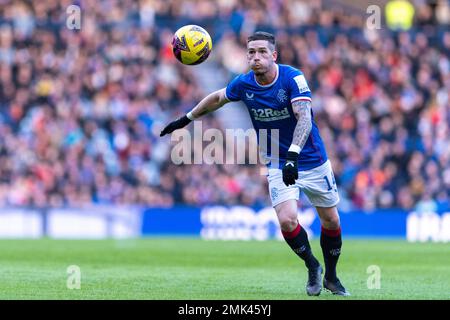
[219, 222]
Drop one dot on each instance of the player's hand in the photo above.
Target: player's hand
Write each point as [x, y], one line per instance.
[290, 168]
[174, 125]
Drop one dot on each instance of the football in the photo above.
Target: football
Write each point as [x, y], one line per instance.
[191, 44]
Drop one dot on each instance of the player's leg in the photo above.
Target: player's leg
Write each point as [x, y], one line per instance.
[284, 200]
[330, 239]
[331, 243]
[297, 238]
[320, 187]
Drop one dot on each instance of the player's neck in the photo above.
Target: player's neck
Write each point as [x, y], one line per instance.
[268, 77]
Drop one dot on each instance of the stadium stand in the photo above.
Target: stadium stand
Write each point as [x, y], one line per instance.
[81, 111]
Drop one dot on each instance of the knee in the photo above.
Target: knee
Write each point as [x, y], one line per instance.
[331, 221]
[288, 221]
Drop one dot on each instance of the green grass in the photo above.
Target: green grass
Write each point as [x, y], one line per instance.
[181, 268]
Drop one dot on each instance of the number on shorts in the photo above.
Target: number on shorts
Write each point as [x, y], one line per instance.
[333, 181]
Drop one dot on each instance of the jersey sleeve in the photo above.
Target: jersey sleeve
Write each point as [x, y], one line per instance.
[298, 87]
[233, 90]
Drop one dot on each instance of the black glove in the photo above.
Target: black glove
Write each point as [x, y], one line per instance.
[290, 168]
[174, 125]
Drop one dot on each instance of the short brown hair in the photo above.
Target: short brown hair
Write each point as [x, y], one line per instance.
[261, 35]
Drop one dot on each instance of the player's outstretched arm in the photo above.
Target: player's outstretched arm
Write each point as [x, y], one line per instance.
[208, 104]
[302, 110]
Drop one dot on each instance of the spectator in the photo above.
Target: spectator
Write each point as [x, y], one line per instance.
[81, 111]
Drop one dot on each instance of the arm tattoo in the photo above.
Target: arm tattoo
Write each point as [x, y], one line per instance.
[302, 110]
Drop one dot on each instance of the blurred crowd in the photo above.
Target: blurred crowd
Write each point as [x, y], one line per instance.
[81, 110]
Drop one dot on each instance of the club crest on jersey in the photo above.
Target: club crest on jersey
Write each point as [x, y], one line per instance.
[281, 96]
[249, 96]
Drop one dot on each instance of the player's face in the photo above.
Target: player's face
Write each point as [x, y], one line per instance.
[260, 56]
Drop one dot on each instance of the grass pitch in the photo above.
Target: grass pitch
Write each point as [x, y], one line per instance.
[165, 268]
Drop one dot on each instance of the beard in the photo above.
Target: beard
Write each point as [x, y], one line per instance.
[260, 71]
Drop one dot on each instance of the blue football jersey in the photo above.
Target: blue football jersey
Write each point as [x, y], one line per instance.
[270, 107]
